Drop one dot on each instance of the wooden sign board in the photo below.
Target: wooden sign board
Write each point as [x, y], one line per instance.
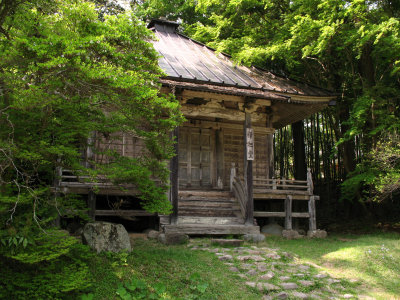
[250, 143]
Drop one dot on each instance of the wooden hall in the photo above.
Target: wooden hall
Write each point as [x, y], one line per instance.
[224, 158]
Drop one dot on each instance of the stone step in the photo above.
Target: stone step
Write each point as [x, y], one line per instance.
[210, 220]
[201, 229]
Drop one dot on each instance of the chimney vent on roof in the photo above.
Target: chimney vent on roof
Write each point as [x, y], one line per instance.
[162, 24]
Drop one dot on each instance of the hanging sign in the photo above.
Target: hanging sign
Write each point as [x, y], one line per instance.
[250, 143]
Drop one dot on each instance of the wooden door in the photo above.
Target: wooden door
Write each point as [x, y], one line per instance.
[196, 146]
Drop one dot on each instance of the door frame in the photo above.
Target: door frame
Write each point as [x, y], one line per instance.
[212, 160]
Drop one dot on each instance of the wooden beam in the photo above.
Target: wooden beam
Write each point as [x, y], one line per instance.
[300, 215]
[188, 94]
[262, 102]
[248, 174]
[174, 175]
[218, 125]
[125, 213]
[269, 214]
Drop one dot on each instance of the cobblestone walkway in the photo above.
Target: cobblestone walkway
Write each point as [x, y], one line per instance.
[276, 274]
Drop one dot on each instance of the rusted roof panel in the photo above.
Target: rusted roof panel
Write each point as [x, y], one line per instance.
[184, 59]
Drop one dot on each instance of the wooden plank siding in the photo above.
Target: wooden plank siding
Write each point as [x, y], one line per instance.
[122, 143]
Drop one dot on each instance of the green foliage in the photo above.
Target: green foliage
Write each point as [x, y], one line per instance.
[71, 76]
[378, 175]
[54, 266]
[197, 286]
[138, 289]
[66, 75]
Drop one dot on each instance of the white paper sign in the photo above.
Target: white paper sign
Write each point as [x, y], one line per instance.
[250, 143]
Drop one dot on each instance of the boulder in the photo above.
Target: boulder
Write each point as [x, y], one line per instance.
[104, 236]
[254, 237]
[153, 234]
[319, 234]
[272, 229]
[291, 234]
[173, 238]
[161, 238]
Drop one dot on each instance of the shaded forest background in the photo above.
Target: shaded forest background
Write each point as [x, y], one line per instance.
[349, 47]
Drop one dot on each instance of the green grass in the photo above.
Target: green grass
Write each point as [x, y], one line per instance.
[374, 259]
[182, 271]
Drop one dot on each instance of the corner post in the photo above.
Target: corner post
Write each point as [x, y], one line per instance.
[288, 212]
[311, 211]
[270, 150]
[174, 175]
[310, 184]
[248, 168]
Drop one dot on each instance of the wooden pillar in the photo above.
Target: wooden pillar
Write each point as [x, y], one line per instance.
[288, 212]
[220, 158]
[270, 150]
[174, 175]
[92, 205]
[248, 168]
[311, 211]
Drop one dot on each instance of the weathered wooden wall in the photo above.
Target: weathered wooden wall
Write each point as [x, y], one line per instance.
[122, 143]
[233, 153]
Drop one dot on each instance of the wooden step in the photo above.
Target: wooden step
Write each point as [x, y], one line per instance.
[216, 205]
[201, 229]
[209, 213]
[210, 199]
[209, 194]
[206, 208]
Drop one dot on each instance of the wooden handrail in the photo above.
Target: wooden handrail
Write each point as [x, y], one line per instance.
[285, 184]
[239, 191]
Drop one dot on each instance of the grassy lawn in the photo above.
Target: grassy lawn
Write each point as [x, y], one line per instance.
[374, 259]
[183, 273]
[176, 272]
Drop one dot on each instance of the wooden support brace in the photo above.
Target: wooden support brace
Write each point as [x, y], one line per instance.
[311, 211]
[288, 212]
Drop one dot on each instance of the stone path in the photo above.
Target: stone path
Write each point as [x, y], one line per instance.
[276, 275]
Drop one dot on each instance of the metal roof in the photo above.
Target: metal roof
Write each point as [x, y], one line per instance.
[184, 59]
